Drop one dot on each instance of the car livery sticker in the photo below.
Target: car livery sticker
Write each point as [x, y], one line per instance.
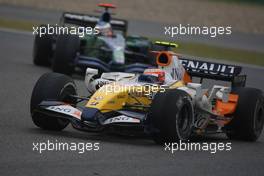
[66, 109]
[121, 119]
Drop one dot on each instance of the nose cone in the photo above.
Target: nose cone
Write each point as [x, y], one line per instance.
[109, 97]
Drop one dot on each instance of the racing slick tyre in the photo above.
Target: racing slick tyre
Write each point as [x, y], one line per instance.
[67, 47]
[248, 120]
[51, 86]
[42, 49]
[171, 113]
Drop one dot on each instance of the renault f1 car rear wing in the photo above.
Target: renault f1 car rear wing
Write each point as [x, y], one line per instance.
[208, 70]
[211, 70]
[91, 20]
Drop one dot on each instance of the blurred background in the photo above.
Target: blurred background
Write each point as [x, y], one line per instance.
[148, 18]
[242, 15]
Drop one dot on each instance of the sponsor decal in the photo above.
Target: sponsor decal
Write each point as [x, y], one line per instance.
[101, 83]
[66, 109]
[81, 17]
[98, 98]
[90, 18]
[207, 67]
[121, 119]
[94, 103]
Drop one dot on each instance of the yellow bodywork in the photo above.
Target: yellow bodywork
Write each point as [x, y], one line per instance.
[115, 96]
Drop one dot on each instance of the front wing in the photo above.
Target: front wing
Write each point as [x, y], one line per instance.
[88, 117]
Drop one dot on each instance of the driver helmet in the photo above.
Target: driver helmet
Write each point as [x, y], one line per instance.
[105, 29]
[160, 74]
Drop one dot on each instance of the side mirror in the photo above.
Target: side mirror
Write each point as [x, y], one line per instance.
[90, 72]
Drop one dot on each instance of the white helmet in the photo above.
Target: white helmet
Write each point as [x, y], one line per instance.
[105, 29]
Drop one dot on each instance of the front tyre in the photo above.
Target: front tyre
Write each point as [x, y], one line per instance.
[171, 114]
[56, 87]
[67, 47]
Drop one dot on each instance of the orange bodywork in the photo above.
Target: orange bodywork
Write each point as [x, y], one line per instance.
[166, 54]
[222, 108]
[186, 78]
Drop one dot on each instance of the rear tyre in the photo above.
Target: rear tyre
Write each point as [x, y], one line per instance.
[67, 47]
[51, 86]
[42, 49]
[171, 114]
[248, 120]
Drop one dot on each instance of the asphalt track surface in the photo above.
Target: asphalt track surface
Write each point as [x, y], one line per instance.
[118, 155]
